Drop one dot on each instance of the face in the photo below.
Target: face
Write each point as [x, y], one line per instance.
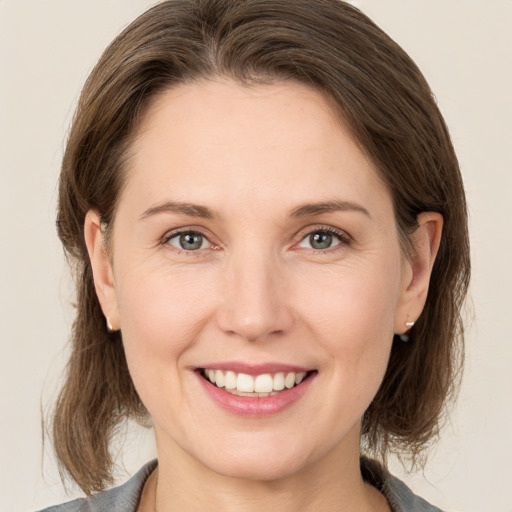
[254, 245]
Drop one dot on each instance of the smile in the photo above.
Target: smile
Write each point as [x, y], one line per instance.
[255, 390]
[262, 385]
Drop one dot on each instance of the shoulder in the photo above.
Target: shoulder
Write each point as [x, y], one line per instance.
[124, 498]
[399, 496]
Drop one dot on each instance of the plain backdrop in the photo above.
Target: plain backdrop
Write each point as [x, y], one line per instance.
[47, 48]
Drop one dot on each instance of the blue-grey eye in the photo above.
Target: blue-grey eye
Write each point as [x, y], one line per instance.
[188, 241]
[320, 239]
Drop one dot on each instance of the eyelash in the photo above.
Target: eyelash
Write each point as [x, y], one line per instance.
[344, 240]
[168, 237]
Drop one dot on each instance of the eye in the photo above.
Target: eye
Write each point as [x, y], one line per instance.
[322, 239]
[188, 241]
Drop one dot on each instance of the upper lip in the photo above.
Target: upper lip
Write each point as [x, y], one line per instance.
[254, 369]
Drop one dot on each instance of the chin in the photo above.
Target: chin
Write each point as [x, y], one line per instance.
[258, 468]
[267, 458]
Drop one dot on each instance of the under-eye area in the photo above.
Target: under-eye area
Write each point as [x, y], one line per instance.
[262, 385]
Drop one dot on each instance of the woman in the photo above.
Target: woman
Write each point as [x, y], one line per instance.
[269, 230]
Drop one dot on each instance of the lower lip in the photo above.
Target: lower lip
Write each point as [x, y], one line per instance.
[256, 407]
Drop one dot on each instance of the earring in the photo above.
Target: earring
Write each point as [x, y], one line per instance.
[405, 336]
[109, 325]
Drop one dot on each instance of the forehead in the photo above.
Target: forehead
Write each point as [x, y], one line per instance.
[260, 143]
[222, 113]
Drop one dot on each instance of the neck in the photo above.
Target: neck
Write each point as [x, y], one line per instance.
[333, 482]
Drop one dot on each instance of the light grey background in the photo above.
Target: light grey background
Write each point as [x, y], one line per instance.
[47, 49]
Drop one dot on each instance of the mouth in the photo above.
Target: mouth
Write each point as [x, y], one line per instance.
[262, 385]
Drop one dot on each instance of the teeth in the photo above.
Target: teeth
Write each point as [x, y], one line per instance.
[278, 384]
[263, 383]
[230, 380]
[299, 377]
[219, 378]
[289, 380]
[243, 384]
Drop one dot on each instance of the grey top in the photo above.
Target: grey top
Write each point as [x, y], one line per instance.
[126, 497]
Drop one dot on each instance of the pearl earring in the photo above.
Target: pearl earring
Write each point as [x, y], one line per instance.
[405, 336]
[109, 325]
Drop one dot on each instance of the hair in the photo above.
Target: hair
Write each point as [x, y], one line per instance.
[391, 113]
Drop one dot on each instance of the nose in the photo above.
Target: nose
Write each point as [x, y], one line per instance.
[255, 303]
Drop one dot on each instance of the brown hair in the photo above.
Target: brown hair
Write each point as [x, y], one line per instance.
[389, 108]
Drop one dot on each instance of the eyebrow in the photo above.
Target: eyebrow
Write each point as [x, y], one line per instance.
[311, 209]
[190, 209]
[305, 210]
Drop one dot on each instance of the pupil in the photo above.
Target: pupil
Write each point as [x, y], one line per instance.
[321, 240]
[191, 241]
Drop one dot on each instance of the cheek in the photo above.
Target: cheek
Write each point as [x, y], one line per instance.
[351, 314]
[161, 315]
[161, 303]
[360, 297]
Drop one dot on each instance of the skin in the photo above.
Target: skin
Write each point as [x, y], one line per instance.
[256, 291]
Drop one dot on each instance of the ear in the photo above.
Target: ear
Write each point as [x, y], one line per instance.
[101, 268]
[418, 269]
